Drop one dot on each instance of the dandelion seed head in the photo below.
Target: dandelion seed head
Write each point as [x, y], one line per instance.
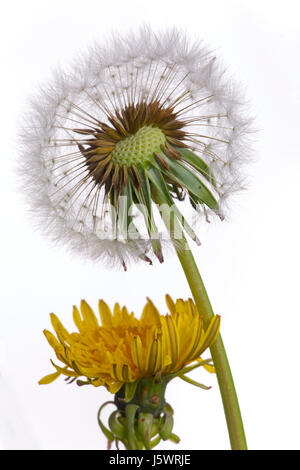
[145, 111]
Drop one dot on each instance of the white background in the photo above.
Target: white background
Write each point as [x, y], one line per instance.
[250, 264]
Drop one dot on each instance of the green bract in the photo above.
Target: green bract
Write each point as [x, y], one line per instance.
[143, 417]
[171, 179]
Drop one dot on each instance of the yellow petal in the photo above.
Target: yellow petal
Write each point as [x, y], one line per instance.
[77, 319]
[98, 382]
[187, 353]
[169, 340]
[60, 330]
[170, 304]
[152, 357]
[192, 308]
[150, 315]
[52, 341]
[88, 315]
[210, 334]
[65, 370]
[114, 387]
[118, 317]
[180, 306]
[159, 358]
[105, 314]
[209, 368]
[137, 352]
[127, 377]
[173, 339]
[118, 371]
[125, 315]
[49, 378]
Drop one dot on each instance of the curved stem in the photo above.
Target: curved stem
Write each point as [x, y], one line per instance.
[218, 353]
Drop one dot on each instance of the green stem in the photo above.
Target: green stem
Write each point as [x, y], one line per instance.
[218, 353]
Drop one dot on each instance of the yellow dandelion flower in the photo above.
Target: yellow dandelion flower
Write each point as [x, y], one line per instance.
[134, 359]
[124, 349]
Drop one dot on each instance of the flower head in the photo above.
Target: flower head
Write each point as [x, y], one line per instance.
[148, 114]
[134, 359]
[124, 349]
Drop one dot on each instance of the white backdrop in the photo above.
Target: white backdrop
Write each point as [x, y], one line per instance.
[249, 264]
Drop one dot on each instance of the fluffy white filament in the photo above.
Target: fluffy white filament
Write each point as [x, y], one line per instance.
[143, 66]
